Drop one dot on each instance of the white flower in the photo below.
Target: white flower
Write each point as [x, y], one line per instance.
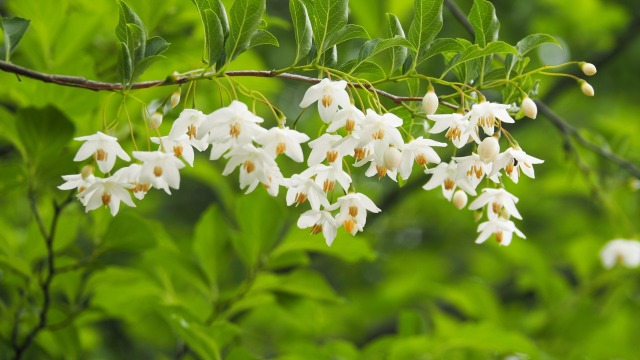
[377, 166]
[512, 161]
[77, 181]
[445, 175]
[329, 95]
[104, 149]
[326, 176]
[350, 118]
[273, 181]
[189, 122]
[178, 146]
[303, 188]
[255, 169]
[473, 169]
[456, 126]
[320, 221]
[131, 175]
[278, 141]
[430, 102]
[106, 192]
[484, 114]
[231, 127]
[621, 251]
[419, 150]
[503, 230]
[324, 148]
[353, 211]
[382, 128]
[495, 200]
[529, 108]
[159, 169]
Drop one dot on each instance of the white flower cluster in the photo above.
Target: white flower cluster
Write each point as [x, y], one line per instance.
[368, 139]
[621, 251]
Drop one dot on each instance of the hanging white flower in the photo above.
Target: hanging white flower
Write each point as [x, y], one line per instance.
[159, 169]
[103, 148]
[320, 221]
[484, 115]
[286, 141]
[502, 229]
[330, 95]
[621, 251]
[496, 200]
[106, 192]
[353, 211]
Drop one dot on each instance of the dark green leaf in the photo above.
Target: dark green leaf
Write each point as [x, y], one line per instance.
[426, 24]
[13, 29]
[484, 21]
[137, 42]
[371, 68]
[439, 46]
[125, 65]
[128, 232]
[155, 46]
[327, 18]
[373, 47]
[348, 32]
[475, 52]
[301, 28]
[43, 132]
[215, 37]
[532, 41]
[263, 37]
[127, 16]
[245, 17]
[331, 58]
[399, 54]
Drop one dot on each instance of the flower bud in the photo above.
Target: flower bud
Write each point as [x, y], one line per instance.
[529, 108]
[460, 199]
[87, 171]
[392, 157]
[587, 89]
[173, 77]
[588, 68]
[488, 149]
[430, 102]
[477, 215]
[156, 120]
[175, 98]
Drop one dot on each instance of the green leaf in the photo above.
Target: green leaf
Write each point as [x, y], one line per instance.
[214, 37]
[426, 24]
[307, 283]
[210, 237]
[198, 337]
[348, 32]
[475, 52]
[144, 64]
[345, 247]
[155, 46]
[371, 68]
[532, 41]
[327, 18]
[245, 17]
[301, 29]
[137, 42]
[399, 54]
[484, 21]
[373, 47]
[43, 133]
[126, 17]
[439, 46]
[125, 65]
[13, 28]
[263, 37]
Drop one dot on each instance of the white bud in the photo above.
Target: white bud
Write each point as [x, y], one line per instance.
[156, 120]
[488, 149]
[588, 68]
[587, 89]
[392, 157]
[529, 107]
[175, 98]
[87, 171]
[460, 199]
[430, 102]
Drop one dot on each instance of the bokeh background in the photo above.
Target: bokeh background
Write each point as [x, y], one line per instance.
[208, 272]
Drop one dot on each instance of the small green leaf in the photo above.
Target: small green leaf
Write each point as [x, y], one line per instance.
[371, 68]
[426, 24]
[245, 17]
[126, 17]
[263, 37]
[348, 32]
[301, 29]
[125, 65]
[484, 21]
[475, 52]
[137, 43]
[532, 41]
[399, 54]
[327, 18]
[373, 47]
[155, 46]
[215, 37]
[13, 28]
[439, 46]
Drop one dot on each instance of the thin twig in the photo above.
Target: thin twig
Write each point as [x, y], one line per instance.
[83, 83]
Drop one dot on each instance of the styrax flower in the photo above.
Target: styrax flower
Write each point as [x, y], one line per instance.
[256, 166]
[512, 161]
[159, 169]
[106, 192]
[473, 169]
[496, 200]
[419, 150]
[350, 118]
[77, 181]
[326, 176]
[104, 149]
[324, 147]
[485, 114]
[621, 251]
[278, 141]
[189, 122]
[456, 126]
[329, 95]
[445, 175]
[353, 211]
[131, 175]
[179, 146]
[503, 230]
[303, 188]
[320, 221]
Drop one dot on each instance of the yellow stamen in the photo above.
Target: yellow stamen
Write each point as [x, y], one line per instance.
[157, 171]
[249, 166]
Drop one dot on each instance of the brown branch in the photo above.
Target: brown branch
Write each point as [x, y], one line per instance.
[83, 83]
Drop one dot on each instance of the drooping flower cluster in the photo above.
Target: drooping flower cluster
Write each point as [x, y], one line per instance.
[358, 138]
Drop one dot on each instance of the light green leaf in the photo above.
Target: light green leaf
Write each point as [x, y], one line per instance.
[209, 238]
[263, 37]
[214, 36]
[399, 54]
[137, 42]
[475, 52]
[301, 29]
[307, 283]
[373, 47]
[194, 334]
[532, 41]
[439, 46]
[13, 28]
[348, 32]
[126, 17]
[426, 24]
[43, 133]
[484, 21]
[331, 58]
[125, 65]
[155, 46]
[371, 68]
[245, 17]
[345, 247]
[327, 18]
[144, 64]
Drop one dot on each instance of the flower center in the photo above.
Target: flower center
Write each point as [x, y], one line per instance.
[349, 225]
[499, 236]
[487, 120]
[332, 156]
[249, 166]
[353, 211]
[328, 185]
[106, 199]
[301, 197]
[382, 171]
[477, 170]
[100, 155]
[281, 148]
[422, 160]
[192, 131]
[454, 133]
[449, 184]
[316, 229]
[177, 150]
[379, 135]
[350, 125]
[509, 168]
[157, 171]
[326, 100]
[496, 207]
[234, 130]
[359, 153]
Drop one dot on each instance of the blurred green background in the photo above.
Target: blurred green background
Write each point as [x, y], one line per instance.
[208, 272]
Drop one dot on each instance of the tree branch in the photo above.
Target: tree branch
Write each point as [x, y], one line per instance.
[83, 83]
